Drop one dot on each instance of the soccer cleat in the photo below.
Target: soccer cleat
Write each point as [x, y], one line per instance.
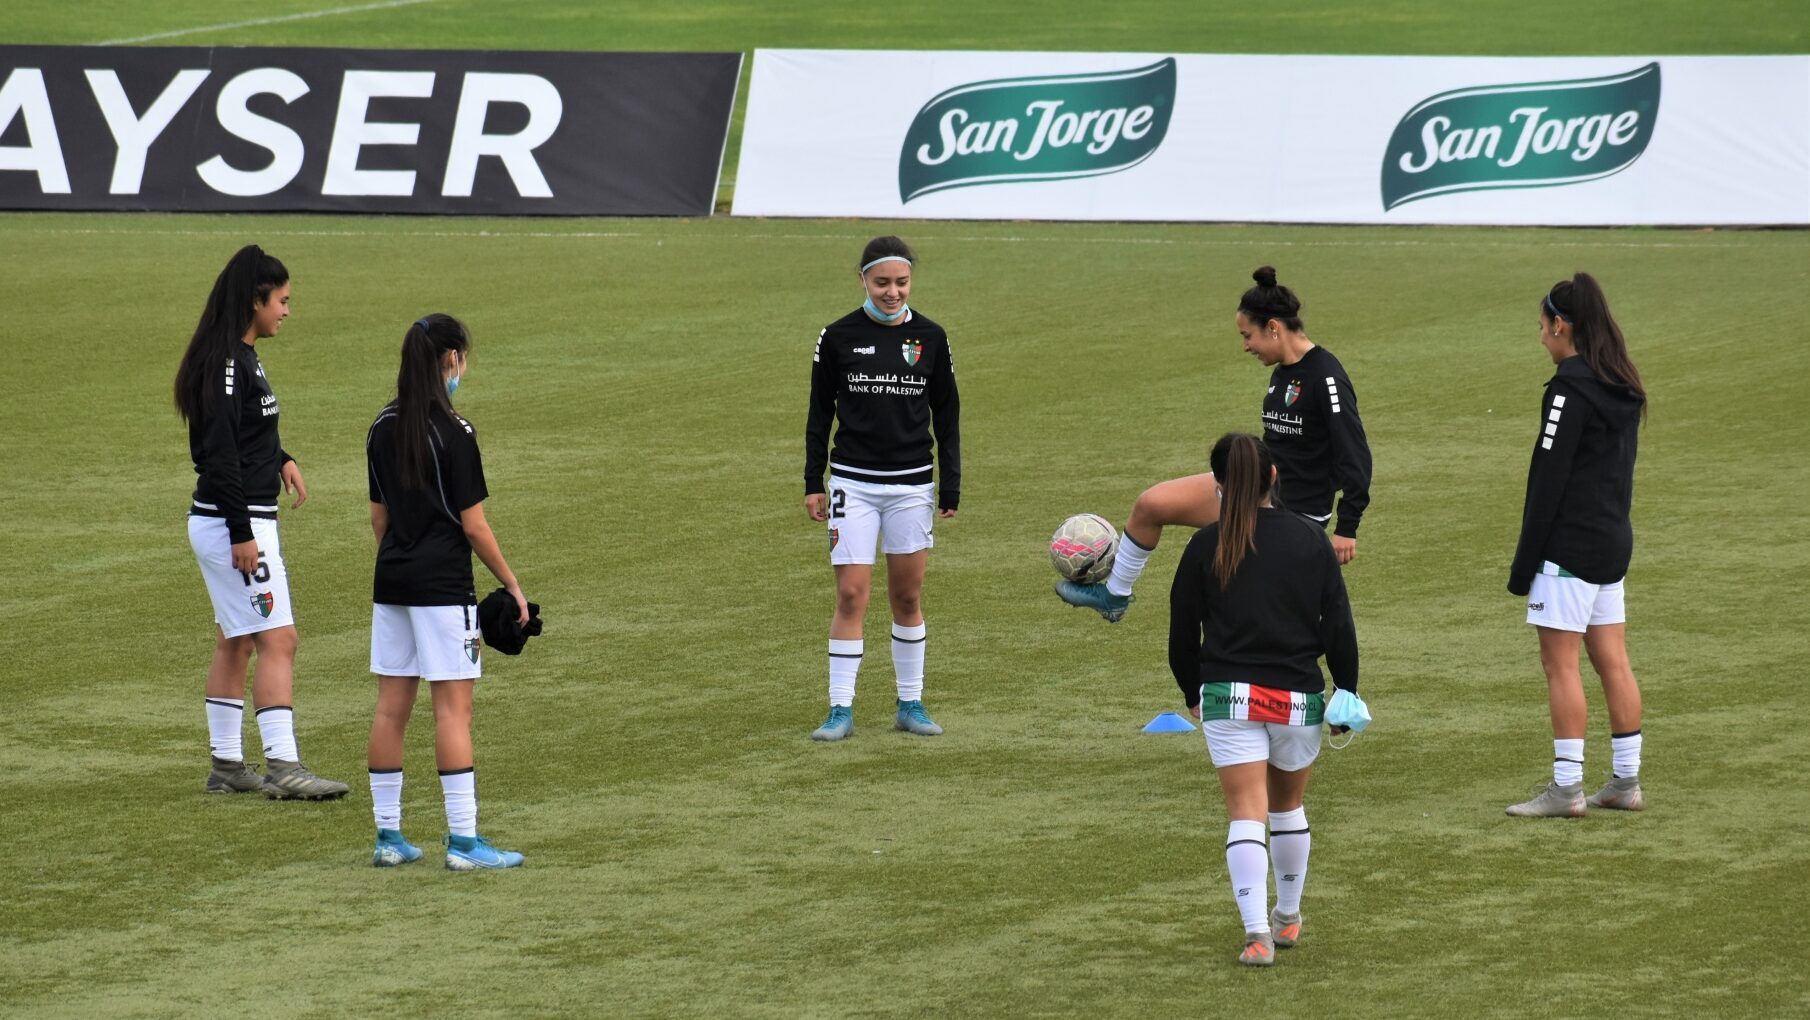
[233, 777]
[392, 850]
[1285, 928]
[841, 723]
[1259, 949]
[1095, 597]
[1622, 794]
[1553, 802]
[472, 853]
[913, 719]
[291, 780]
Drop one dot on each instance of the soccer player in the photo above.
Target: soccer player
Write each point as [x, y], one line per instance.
[1257, 600]
[1576, 541]
[884, 374]
[241, 470]
[427, 511]
[1310, 425]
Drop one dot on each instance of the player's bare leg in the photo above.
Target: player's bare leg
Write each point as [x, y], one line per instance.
[904, 591]
[1608, 649]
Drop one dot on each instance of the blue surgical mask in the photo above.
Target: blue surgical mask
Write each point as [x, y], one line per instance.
[882, 316]
[452, 385]
[1348, 710]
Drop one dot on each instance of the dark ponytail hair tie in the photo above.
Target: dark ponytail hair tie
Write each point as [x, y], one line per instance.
[423, 324]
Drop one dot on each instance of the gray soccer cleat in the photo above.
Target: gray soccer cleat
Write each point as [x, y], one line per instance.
[233, 777]
[1285, 928]
[1553, 802]
[1622, 794]
[1259, 950]
[291, 780]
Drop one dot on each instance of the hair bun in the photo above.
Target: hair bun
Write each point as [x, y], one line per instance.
[1265, 276]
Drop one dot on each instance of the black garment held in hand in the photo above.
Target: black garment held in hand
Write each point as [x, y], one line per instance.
[884, 386]
[499, 618]
[1285, 608]
[238, 457]
[1312, 429]
[1580, 485]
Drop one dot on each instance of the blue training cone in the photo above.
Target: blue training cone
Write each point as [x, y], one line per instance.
[1169, 722]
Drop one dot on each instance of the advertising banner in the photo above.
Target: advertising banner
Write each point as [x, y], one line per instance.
[392, 131]
[1304, 139]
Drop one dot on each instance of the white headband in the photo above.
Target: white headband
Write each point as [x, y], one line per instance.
[884, 258]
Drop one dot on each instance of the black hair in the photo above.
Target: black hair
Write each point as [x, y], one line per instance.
[888, 245]
[247, 281]
[1242, 467]
[1594, 332]
[1270, 300]
[421, 392]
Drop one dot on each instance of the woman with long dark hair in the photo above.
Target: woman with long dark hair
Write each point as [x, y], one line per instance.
[884, 375]
[1577, 541]
[427, 510]
[241, 469]
[1258, 598]
[1310, 426]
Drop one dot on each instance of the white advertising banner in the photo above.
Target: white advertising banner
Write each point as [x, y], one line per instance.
[1301, 139]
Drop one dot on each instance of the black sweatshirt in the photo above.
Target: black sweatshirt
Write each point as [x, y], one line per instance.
[1286, 607]
[1312, 429]
[884, 386]
[233, 441]
[1580, 485]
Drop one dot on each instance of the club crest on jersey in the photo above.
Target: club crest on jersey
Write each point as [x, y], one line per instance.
[264, 603]
[473, 646]
[1290, 395]
[913, 350]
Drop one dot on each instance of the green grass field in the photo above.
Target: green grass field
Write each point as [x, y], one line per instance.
[639, 388]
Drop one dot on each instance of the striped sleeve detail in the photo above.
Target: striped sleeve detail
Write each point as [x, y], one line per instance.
[1553, 414]
[1332, 393]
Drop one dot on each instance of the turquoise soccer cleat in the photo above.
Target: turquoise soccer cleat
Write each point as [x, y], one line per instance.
[472, 853]
[1095, 597]
[393, 850]
[913, 719]
[841, 723]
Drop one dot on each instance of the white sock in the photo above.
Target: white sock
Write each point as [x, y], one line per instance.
[845, 662]
[1626, 750]
[1249, 866]
[226, 728]
[277, 725]
[1127, 565]
[908, 660]
[386, 797]
[1289, 844]
[460, 788]
[1568, 761]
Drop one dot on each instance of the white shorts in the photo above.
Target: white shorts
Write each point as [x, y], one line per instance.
[243, 603]
[898, 517]
[431, 642]
[1239, 742]
[1563, 602]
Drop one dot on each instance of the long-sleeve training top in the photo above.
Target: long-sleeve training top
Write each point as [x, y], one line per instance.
[1286, 607]
[1580, 484]
[233, 441]
[1312, 429]
[885, 387]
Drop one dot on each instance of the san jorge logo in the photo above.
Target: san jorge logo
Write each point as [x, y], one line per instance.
[1045, 128]
[1533, 135]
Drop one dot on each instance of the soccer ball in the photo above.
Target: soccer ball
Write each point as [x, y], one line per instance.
[1083, 548]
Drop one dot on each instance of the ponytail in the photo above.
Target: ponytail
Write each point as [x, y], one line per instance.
[421, 393]
[1599, 341]
[249, 277]
[1242, 466]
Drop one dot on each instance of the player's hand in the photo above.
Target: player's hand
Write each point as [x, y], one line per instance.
[1194, 710]
[521, 604]
[817, 504]
[245, 557]
[293, 484]
[1346, 549]
[945, 514]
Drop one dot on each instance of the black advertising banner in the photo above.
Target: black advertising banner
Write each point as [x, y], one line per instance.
[387, 131]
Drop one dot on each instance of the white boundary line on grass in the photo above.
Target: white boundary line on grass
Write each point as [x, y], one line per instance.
[253, 22]
[492, 235]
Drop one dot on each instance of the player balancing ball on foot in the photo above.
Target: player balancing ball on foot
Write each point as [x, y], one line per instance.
[241, 470]
[1310, 426]
[427, 490]
[1082, 549]
[883, 374]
